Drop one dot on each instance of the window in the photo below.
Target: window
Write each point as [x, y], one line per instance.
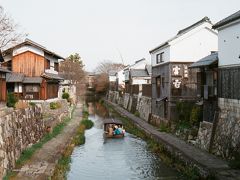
[160, 57]
[47, 64]
[56, 66]
[32, 88]
[158, 86]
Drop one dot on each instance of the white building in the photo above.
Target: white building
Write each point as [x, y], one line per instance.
[228, 129]
[172, 79]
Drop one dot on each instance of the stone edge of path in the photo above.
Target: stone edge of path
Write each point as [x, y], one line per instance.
[208, 163]
[51, 158]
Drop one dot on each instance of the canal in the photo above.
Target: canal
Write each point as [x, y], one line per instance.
[118, 159]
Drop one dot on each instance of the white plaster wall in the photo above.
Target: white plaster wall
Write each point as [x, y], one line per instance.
[126, 75]
[166, 56]
[140, 81]
[193, 47]
[25, 48]
[139, 65]
[189, 47]
[229, 45]
[121, 77]
[112, 78]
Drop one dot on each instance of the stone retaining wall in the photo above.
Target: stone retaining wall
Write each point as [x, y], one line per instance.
[144, 107]
[133, 103]
[204, 135]
[19, 130]
[227, 136]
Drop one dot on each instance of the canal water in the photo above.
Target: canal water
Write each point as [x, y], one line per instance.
[114, 159]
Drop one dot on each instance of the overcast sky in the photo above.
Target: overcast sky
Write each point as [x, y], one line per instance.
[108, 29]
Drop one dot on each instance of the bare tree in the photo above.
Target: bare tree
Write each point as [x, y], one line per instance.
[107, 66]
[103, 69]
[72, 70]
[8, 31]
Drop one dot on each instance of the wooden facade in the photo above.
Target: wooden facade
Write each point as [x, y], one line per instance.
[3, 89]
[229, 83]
[28, 63]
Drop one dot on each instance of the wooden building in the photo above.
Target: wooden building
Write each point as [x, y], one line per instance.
[34, 71]
[3, 90]
[207, 70]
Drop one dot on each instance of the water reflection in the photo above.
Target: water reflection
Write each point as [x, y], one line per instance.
[117, 159]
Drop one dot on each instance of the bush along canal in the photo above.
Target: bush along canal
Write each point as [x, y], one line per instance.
[125, 158]
[63, 164]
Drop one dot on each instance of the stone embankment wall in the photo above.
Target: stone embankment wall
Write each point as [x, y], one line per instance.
[227, 135]
[133, 103]
[226, 140]
[19, 129]
[204, 135]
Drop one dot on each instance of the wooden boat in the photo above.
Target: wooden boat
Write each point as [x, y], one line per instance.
[108, 123]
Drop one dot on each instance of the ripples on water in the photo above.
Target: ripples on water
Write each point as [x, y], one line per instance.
[115, 159]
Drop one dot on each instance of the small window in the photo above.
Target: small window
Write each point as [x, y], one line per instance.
[56, 66]
[47, 64]
[160, 57]
[158, 86]
[163, 81]
[32, 88]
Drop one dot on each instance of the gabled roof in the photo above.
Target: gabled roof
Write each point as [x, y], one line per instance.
[32, 80]
[206, 61]
[112, 73]
[149, 69]
[34, 44]
[139, 73]
[181, 32]
[52, 76]
[227, 20]
[14, 77]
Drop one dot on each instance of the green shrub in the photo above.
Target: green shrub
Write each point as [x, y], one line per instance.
[55, 105]
[195, 116]
[164, 128]
[65, 95]
[32, 104]
[137, 114]
[87, 123]
[235, 163]
[11, 100]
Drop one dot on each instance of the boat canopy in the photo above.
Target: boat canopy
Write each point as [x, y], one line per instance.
[112, 121]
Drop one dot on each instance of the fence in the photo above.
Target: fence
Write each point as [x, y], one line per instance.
[229, 83]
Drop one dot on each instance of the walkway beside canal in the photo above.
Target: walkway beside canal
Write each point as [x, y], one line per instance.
[207, 162]
[43, 162]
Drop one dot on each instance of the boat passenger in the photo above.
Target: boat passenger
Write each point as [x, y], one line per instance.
[116, 131]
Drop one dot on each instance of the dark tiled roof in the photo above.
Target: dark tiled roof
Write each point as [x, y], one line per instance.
[149, 69]
[32, 43]
[139, 73]
[112, 73]
[181, 32]
[206, 61]
[32, 80]
[227, 20]
[14, 77]
[52, 76]
[4, 70]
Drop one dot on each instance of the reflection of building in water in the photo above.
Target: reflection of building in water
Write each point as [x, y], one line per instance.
[91, 108]
[90, 78]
